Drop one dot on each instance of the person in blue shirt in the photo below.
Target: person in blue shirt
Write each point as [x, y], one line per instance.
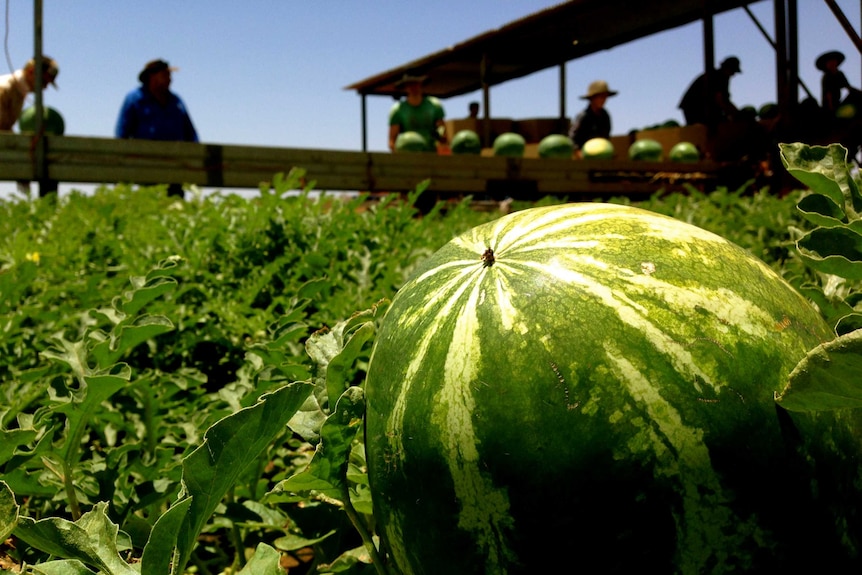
[152, 111]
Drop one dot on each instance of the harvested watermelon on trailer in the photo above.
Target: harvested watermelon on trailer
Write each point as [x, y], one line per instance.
[593, 385]
[466, 142]
[556, 146]
[598, 149]
[647, 150]
[509, 144]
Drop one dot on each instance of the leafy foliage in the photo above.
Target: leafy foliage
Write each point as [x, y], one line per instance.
[828, 379]
[181, 382]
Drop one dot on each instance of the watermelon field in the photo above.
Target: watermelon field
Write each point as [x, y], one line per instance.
[183, 384]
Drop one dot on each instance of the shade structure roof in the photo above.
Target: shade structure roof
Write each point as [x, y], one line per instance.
[547, 38]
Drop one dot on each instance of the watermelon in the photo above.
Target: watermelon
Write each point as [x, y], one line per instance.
[556, 146]
[846, 111]
[684, 152]
[647, 149]
[509, 144]
[411, 142]
[598, 149]
[466, 142]
[768, 111]
[591, 387]
[53, 122]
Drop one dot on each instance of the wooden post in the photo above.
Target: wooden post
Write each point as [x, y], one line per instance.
[364, 122]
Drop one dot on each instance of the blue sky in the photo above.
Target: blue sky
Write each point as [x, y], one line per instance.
[273, 73]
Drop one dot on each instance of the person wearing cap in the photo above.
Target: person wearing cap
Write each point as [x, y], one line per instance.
[417, 112]
[15, 87]
[594, 121]
[152, 112]
[833, 82]
[707, 100]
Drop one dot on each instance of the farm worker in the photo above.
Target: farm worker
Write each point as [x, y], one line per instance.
[707, 100]
[15, 87]
[833, 82]
[594, 121]
[152, 112]
[474, 110]
[417, 112]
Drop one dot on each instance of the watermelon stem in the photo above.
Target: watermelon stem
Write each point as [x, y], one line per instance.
[359, 525]
[488, 258]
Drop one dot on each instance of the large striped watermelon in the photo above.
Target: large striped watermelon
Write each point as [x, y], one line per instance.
[590, 388]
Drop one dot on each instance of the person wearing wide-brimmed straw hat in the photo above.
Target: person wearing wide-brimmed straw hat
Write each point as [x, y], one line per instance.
[594, 121]
[707, 99]
[417, 112]
[833, 82]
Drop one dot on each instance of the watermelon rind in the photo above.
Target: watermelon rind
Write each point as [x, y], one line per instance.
[598, 149]
[684, 152]
[593, 385]
[646, 149]
[53, 122]
[411, 142]
[556, 146]
[466, 142]
[509, 144]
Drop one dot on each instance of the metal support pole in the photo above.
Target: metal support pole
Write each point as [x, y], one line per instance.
[845, 23]
[563, 91]
[709, 65]
[39, 159]
[781, 79]
[774, 47]
[486, 101]
[792, 38]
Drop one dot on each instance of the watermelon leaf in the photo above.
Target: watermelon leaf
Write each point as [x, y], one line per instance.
[824, 169]
[61, 567]
[828, 377]
[229, 447]
[8, 511]
[328, 468]
[821, 210]
[159, 550]
[835, 251]
[265, 561]
[93, 540]
[848, 323]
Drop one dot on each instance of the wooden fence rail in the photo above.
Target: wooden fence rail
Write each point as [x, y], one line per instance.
[109, 161]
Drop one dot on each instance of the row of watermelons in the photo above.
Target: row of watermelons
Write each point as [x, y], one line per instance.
[646, 149]
[559, 146]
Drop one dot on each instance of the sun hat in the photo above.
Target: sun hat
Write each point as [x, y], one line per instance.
[731, 63]
[826, 56]
[153, 67]
[409, 78]
[598, 88]
[50, 69]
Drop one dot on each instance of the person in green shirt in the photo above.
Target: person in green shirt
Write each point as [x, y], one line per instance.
[417, 112]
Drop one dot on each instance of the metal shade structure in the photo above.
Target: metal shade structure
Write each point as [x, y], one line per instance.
[541, 40]
[570, 30]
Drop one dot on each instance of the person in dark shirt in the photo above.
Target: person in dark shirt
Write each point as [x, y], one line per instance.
[152, 111]
[707, 100]
[594, 121]
[834, 82]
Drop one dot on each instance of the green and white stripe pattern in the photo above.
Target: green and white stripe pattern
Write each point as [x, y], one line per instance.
[558, 336]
